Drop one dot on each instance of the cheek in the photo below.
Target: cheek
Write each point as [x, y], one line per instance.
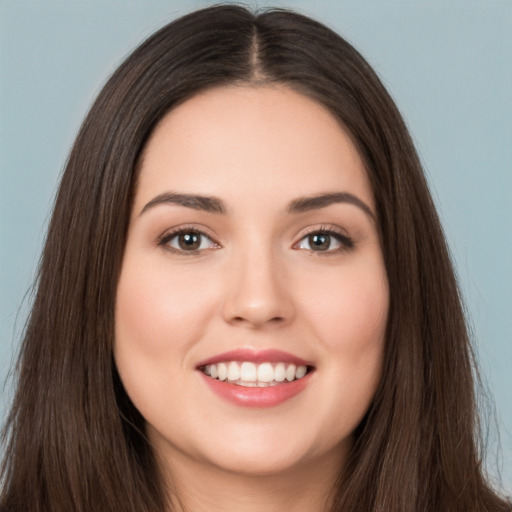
[160, 312]
[159, 315]
[350, 319]
[354, 336]
[351, 309]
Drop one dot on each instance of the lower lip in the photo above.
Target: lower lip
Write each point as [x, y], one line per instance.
[257, 397]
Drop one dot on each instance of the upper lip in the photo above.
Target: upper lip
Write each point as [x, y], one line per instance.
[256, 356]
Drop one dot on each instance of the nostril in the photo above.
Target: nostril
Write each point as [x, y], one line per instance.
[255, 321]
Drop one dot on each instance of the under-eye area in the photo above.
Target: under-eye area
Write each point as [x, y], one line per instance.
[249, 374]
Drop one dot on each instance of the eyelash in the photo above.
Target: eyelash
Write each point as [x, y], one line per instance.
[167, 237]
[346, 243]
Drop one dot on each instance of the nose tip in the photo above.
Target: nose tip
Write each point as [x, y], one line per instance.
[257, 315]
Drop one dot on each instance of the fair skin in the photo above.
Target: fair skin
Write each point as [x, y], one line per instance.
[255, 268]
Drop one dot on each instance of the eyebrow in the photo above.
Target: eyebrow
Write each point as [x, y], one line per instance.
[196, 202]
[316, 202]
[214, 205]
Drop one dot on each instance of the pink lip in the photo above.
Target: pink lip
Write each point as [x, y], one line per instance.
[256, 356]
[256, 397]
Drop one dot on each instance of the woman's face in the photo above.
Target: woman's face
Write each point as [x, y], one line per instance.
[253, 299]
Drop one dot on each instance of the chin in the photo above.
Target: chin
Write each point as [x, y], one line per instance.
[269, 454]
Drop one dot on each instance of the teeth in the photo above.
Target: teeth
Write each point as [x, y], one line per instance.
[280, 372]
[254, 375]
[265, 372]
[222, 371]
[290, 372]
[248, 372]
[233, 371]
[300, 372]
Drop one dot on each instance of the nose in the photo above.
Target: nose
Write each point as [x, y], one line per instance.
[257, 295]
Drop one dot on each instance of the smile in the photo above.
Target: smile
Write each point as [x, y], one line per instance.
[250, 374]
[256, 378]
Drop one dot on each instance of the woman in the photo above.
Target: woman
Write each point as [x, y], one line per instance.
[245, 298]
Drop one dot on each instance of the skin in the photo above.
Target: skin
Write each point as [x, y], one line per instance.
[255, 282]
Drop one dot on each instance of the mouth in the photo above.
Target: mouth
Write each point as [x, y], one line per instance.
[253, 375]
[256, 378]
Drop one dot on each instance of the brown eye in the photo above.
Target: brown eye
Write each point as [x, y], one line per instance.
[187, 241]
[325, 241]
[319, 242]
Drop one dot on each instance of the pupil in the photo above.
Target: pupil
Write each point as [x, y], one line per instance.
[189, 241]
[320, 242]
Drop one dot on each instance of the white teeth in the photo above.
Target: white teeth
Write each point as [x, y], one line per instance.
[233, 371]
[300, 372]
[248, 372]
[254, 375]
[265, 372]
[280, 372]
[222, 371]
[290, 372]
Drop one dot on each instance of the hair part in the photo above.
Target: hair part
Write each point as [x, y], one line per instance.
[74, 439]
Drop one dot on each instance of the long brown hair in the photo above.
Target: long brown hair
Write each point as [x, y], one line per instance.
[75, 442]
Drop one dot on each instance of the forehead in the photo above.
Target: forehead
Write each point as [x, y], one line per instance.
[245, 141]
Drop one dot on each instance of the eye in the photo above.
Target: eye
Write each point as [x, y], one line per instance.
[187, 240]
[325, 240]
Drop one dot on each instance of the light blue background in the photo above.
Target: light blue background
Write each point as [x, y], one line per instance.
[448, 64]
